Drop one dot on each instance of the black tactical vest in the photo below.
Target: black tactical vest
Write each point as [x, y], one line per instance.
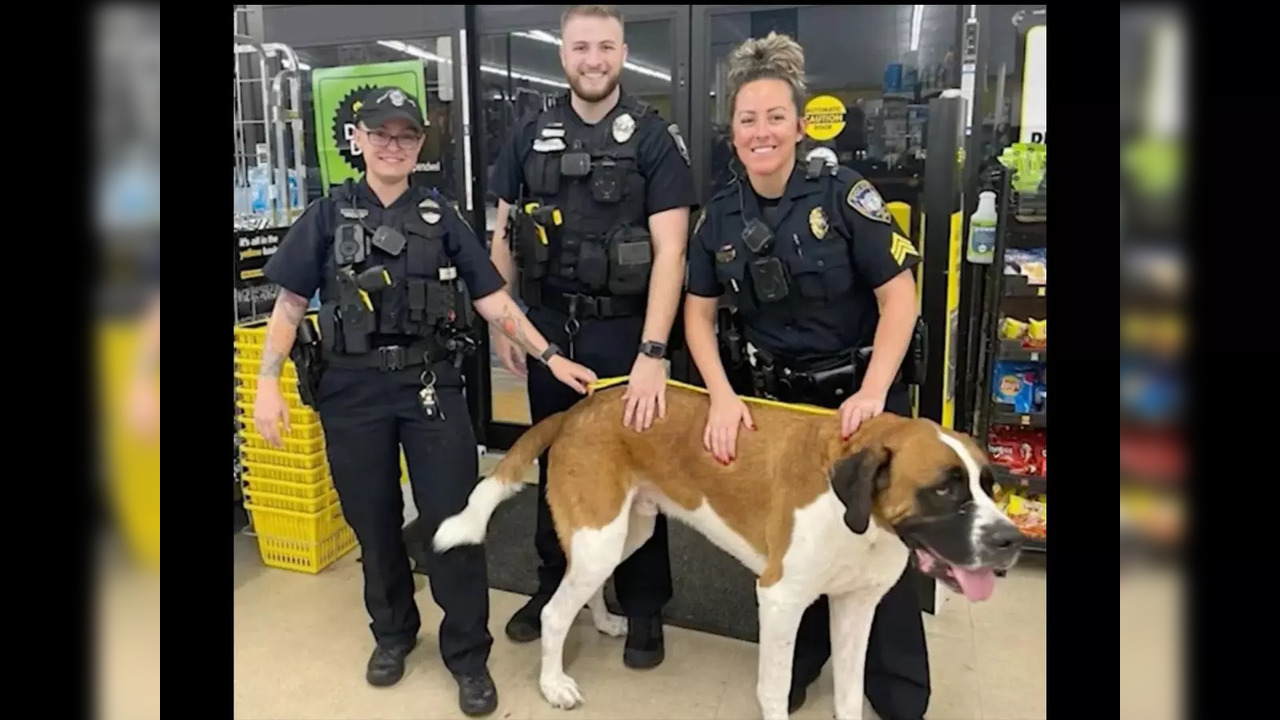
[390, 283]
[765, 273]
[598, 243]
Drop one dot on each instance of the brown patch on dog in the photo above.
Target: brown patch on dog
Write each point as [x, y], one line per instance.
[783, 465]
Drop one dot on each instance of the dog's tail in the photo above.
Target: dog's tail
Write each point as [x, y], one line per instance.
[468, 527]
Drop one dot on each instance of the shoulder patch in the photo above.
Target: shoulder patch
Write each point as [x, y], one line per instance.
[674, 130]
[866, 200]
[900, 248]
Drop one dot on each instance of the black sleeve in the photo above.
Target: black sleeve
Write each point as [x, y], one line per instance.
[299, 259]
[469, 255]
[702, 271]
[664, 162]
[880, 249]
[508, 169]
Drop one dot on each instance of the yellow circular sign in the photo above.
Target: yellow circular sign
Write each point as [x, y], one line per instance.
[824, 117]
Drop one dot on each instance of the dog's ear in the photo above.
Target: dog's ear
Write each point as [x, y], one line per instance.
[856, 480]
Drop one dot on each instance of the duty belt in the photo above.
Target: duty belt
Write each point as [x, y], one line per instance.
[832, 377]
[588, 307]
[390, 357]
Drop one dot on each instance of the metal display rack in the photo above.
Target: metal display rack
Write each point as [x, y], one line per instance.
[1022, 223]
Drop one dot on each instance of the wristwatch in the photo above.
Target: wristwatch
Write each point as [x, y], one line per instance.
[653, 349]
[551, 351]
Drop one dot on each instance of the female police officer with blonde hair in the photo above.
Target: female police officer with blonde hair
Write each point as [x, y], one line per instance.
[818, 270]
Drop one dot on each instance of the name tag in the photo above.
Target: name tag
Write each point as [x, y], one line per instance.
[548, 145]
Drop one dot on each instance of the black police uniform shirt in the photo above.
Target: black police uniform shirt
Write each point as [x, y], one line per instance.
[838, 244]
[299, 262]
[664, 165]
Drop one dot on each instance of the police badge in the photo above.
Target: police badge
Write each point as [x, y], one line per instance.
[864, 198]
[818, 223]
[429, 211]
[674, 129]
[624, 126]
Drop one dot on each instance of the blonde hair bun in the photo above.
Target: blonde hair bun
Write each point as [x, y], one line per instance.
[773, 56]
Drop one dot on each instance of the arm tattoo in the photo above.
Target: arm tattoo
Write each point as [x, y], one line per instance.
[282, 328]
[513, 328]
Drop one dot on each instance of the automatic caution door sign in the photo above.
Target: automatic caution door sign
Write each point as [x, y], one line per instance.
[824, 117]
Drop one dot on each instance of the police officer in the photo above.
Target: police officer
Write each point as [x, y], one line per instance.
[817, 270]
[394, 265]
[597, 188]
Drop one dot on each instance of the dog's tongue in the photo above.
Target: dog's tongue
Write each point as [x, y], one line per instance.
[976, 584]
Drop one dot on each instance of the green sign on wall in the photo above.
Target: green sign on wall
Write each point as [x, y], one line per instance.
[334, 94]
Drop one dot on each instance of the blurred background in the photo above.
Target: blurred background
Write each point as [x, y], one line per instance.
[125, 208]
[1155, 54]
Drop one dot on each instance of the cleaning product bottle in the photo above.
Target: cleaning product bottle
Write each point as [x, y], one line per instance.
[982, 230]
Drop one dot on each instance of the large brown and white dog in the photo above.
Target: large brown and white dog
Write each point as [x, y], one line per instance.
[810, 514]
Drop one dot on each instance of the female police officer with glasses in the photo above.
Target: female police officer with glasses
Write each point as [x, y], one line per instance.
[394, 265]
[818, 270]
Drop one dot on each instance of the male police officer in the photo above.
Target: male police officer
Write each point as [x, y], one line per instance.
[394, 265]
[821, 278]
[601, 189]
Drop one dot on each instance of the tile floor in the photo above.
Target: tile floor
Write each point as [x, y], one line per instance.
[301, 643]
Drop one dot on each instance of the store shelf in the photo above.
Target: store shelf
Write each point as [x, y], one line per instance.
[1013, 350]
[1017, 286]
[1008, 417]
[1031, 483]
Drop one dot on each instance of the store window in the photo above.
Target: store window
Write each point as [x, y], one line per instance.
[871, 71]
[336, 76]
[519, 70]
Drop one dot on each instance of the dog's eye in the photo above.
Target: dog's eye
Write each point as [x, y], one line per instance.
[943, 491]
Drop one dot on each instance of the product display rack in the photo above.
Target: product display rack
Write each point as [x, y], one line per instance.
[1021, 227]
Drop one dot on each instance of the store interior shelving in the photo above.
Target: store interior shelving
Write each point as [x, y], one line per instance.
[1013, 403]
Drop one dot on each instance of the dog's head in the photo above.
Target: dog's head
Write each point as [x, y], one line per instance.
[932, 487]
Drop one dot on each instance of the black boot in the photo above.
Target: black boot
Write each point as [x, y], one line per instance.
[526, 624]
[477, 694]
[386, 665]
[645, 648]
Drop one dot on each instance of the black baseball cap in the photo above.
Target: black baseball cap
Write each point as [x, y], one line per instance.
[385, 103]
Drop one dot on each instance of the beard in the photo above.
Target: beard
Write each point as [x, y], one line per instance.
[592, 95]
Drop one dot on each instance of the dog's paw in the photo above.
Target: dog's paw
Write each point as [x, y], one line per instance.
[560, 691]
[611, 625]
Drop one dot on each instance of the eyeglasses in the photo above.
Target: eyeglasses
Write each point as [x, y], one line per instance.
[381, 138]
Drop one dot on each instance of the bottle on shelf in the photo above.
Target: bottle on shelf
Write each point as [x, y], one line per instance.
[982, 230]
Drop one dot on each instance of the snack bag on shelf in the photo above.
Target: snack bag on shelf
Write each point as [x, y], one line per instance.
[1037, 334]
[1011, 329]
[1028, 512]
[1014, 449]
[1031, 263]
[1013, 383]
[1040, 394]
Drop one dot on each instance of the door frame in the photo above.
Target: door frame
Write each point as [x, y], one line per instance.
[484, 20]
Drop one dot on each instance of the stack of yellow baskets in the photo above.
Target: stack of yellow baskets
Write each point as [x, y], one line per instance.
[289, 493]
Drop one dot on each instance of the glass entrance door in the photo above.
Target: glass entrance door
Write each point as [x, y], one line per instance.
[518, 48]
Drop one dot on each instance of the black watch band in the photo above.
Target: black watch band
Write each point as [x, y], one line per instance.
[653, 349]
[551, 351]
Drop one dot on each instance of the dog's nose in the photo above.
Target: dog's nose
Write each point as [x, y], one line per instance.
[1004, 536]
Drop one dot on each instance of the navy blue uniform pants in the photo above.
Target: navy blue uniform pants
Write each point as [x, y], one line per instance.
[609, 347]
[368, 416]
[897, 671]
